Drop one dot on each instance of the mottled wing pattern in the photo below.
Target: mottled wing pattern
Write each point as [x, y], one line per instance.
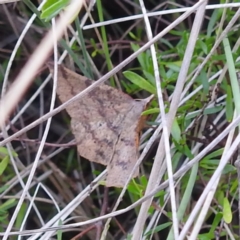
[105, 124]
[126, 150]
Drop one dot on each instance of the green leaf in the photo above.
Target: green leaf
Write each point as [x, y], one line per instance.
[158, 228]
[206, 236]
[140, 57]
[4, 152]
[227, 212]
[229, 104]
[8, 204]
[21, 215]
[214, 154]
[3, 217]
[59, 232]
[139, 81]
[51, 8]
[212, 110]
[133, 36]
[220, 196]
[144, 181]
[176, 159]
[4, 164]
[166, 42]
[204, 80]
[187, 151]
[234, 185]
[216, 221]
[48, 4]
[149, 76]
[3, 188]
[151, 111]
[228, 169]
[152, 123]
[203, 46]
[176, 131]
[212, 22]
[175, 66]
[129, 237]
[135, 188]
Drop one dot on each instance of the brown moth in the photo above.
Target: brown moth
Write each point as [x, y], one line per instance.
[106, 124]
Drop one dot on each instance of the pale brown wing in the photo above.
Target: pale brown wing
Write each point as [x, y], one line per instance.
[126, 149]
[97, 118]
[105, 124]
